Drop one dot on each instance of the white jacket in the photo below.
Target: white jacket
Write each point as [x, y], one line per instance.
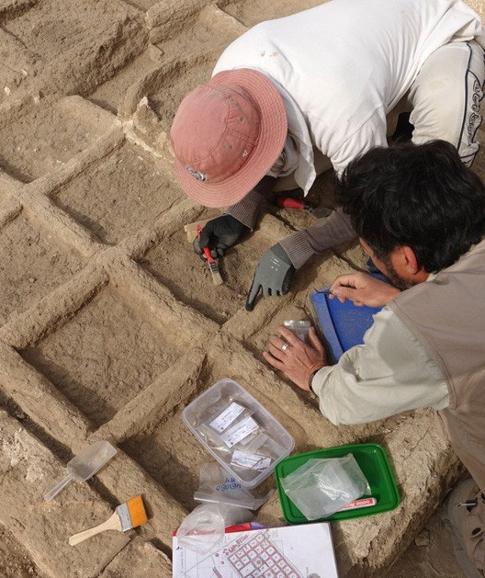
[346, 63]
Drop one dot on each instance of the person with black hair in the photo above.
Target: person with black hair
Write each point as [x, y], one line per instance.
[419, 213]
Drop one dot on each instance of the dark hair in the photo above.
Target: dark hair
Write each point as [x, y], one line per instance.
[421, 196]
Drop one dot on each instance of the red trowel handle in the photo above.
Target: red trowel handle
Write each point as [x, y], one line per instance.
[208, 256]
[206, 250]
[290, 203]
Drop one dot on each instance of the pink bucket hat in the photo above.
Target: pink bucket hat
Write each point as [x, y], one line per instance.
[226, 136]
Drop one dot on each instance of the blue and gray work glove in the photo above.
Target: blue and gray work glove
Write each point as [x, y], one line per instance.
[220, 234]
[273, 275]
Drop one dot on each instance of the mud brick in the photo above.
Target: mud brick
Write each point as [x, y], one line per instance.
[209, 30]
[27, 470]
[171, 455]
[121, 193]
[250, 12]
[104, 355]
[14, 559]
[18, 66]
[176, 265]
[161, 398]
[142, 4]
[40, 400]
[110, 94]
[173, 83]
[11, 8]
[32, 263]
[171, 15]
[78, 44]
[46, 134]
[139, 559]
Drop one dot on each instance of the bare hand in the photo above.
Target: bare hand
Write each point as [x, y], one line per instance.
[363, 289]
[297, 360]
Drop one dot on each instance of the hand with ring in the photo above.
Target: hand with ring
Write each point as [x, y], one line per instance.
[296, 359]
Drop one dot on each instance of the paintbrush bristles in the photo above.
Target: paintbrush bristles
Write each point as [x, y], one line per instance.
[216, 275]
[137, 511]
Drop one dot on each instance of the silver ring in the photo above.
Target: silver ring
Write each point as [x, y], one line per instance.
[284, 347]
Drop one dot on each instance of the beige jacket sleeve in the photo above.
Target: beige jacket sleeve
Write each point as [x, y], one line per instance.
[390, 373]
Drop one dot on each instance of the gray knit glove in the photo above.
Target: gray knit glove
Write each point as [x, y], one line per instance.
[273, 275]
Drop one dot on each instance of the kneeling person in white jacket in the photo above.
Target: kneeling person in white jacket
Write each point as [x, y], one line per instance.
[320, 84]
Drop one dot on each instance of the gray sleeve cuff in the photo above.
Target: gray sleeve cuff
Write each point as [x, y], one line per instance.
[247, 210]
[323, 235]
[298, 248]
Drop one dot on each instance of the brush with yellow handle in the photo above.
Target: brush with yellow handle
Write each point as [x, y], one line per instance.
[129, 515]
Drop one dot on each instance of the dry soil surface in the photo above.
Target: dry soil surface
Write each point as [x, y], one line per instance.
[109, 323]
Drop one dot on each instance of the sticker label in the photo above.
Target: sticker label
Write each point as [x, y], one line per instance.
[239, 431]
[250, 461]
[224, 419]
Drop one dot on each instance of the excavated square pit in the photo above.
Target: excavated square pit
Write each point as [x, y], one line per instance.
[174, 263]
[105, 355]
[32, 264]
[118, 195]
[52, 29]
[45, 135]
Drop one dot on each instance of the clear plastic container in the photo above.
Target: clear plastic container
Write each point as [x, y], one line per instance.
[238, 431]
[299, 327]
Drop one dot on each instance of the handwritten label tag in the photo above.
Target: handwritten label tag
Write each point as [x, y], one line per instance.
[250, 461]
[224, 419]
[239, 431]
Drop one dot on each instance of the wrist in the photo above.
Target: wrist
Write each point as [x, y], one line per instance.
[390, 294]
[312, 372]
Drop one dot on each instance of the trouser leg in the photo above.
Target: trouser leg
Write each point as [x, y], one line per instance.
[446, 98]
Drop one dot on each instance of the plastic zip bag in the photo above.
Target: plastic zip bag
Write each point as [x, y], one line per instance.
[216, 486]
[321, 487]
[203, 529]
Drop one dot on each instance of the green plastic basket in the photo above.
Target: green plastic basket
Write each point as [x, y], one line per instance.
[373, 462]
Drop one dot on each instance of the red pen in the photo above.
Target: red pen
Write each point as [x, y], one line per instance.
[361, 503]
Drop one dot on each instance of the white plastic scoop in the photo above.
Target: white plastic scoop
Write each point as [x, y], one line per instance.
[84, 465]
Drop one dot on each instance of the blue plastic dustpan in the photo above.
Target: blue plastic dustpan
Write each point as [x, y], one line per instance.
[343, 325]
